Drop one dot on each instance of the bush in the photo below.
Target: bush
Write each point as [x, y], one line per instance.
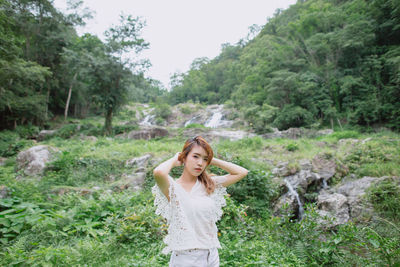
[66, 131]
[163, 111]
[292, 147]
[27, 132]
[293, 116]
[385, 196]
[345, 135]
[11, 144]
[256, 191]
[259, 118]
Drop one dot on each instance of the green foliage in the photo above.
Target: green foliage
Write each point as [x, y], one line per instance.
[373, 159]
[260, 118]
[163, 111]
[385, 196]
[344, 135]
[17, 216]
[257, 191]
[195, 125]
[11, 144]
[329, 61]
[185, 109]
[293, 116]
[292, 147]
[67, 130]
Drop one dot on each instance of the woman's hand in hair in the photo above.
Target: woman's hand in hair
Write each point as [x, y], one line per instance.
[236, 172]
[177, 162]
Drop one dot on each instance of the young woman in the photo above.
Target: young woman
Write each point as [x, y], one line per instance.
[193, 203]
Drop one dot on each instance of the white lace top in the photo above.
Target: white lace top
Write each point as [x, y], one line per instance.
[191, 216]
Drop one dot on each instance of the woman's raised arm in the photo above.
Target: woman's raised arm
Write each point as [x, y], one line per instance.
[161, 173]
[236, 172]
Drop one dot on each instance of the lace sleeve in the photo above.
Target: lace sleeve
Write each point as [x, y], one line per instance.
[163, 206]
[218, 196]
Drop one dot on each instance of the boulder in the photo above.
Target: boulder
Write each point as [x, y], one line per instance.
[62, 190]
[147, 134]
[333, 209]
[33, 160]
[138, 162]
[4, 192]
[88, 137]
[43, 134]
[2, 161]
[354, 191]
[324, 166]
[132, 182]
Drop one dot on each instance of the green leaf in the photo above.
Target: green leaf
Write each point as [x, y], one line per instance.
[5, 222]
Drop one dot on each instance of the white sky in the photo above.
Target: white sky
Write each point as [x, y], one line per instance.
[181, 30]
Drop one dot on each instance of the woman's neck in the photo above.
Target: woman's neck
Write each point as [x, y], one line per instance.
[186, 177]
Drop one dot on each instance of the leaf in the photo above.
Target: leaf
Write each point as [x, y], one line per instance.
[5, 222]
[17, 228]
[374, 242]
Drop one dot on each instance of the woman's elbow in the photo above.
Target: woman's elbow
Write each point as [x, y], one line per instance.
[157, 173]
[244, 172]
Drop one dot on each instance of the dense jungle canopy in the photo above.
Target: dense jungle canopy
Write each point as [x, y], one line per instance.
[320, 62]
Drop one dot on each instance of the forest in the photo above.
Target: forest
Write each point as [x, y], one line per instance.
[308, 103]
[318, 63]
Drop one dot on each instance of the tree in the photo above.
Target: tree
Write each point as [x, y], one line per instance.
[112, 70]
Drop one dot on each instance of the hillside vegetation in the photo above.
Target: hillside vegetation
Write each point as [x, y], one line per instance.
[76, 214]
[320, 62]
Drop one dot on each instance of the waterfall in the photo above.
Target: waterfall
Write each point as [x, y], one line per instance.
[191, 121]
[147, 121]
[215, 120]
[296, 195]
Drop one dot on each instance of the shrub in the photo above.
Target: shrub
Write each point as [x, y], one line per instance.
[292, 147]
[385, 196]
[293, 116]
[66, 131]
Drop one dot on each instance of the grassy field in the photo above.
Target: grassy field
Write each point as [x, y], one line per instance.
[112, 228]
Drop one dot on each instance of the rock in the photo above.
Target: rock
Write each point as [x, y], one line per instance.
[2, 161]
[285, 205]
[4, 192]
[62, 190]
[293, 133]
[334, 207]
[132, 182]
[140, 161]
[348, 141]
[43, 134]
[147, 134]
[283, 169]
[325, 167]
[354, 191]
[324, 132]
[230, 135]
[366, 140]
[305, 164]
[88, 137]
[33, 160]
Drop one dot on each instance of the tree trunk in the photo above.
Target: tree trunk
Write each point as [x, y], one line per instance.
[47, 103]
[339, 124]
[108, 122]
[69, 97]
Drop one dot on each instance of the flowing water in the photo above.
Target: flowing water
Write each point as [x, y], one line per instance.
[296, 195]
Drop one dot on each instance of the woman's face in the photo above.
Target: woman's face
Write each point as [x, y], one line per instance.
[196, 160]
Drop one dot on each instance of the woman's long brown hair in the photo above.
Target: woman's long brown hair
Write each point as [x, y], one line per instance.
[204, 177]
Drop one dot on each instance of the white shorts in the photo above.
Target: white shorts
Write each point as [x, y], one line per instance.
[195, 258]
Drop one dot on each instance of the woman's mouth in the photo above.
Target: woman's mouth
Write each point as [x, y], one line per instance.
[198, 170]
